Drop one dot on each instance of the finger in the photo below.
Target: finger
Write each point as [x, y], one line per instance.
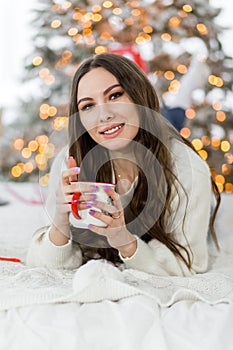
[101, 216]
[72, 164]
[115, 198]
[99, 230]
[83, 187]
[90, 198]
[109, 208]
[67, 174]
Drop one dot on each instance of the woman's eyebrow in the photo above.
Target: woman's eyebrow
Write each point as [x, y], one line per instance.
[105, 93]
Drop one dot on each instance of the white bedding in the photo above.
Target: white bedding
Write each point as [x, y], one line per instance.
[84, 309]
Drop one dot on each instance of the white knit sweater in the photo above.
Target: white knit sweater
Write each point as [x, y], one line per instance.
[153, 257]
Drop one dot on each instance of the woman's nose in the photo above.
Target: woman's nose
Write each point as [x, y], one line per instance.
[105, 113]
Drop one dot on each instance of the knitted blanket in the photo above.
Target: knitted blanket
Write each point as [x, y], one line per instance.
[99, 280]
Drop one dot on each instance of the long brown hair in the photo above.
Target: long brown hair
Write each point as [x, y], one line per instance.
[155, 135]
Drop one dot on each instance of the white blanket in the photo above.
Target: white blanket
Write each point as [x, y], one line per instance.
[100, 280]
[85, 309]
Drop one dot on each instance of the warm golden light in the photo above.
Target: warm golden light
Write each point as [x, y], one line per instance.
[142, 37]
[225, 146]
[136, 12]
[197, 144]
[206, 140]
[147, 29]
[96, 17]
[44, 180]
[96, 8]
[52, 111]
[174, 22]
[229, 158]
[187, 8]
[217, 105]
[201, 27]
[190, 113]
[226, 169]
[66, 5]
[41, 139]
[228, 187]
[182, 69]
[60, 123]
[33, 145]
[107, 4]
[56, 24]
[220, 179]
[129, 21]
[48, 150]
[44, 72]
[214, 80]
[117, 11]
[220, 186]
[72, 31]
[100, 49]
[215, 142]
[185, 132]
[16, 171]
[26, 152]
[18, 144]
[166, 37]
[203, 154]
[169, 75]
[28, 167]
[41, 159]
[37, 60]
[220, 116]
[44, 108]
[106, 36]
[174, 86]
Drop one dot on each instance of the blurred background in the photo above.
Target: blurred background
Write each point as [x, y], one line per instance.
[185, 48]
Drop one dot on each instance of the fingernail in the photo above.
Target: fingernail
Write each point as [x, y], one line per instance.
[90, 226]
[106, 187]
[88, 205]
[77, 170]
[94, 188]
[93, 203]
[91, 212]
[93, 196]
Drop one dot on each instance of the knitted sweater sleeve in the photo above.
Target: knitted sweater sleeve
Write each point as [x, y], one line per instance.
[42, 252]
[188, 222]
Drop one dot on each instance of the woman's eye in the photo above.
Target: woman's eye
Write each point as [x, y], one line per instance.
[86, 107]
[116, 95]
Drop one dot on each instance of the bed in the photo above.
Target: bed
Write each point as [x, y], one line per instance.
[101, 307]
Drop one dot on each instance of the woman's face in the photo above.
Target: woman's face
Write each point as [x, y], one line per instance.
[106, 111]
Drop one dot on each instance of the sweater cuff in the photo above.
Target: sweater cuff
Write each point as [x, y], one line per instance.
[58, 253]
[137, 253]
[144, 259]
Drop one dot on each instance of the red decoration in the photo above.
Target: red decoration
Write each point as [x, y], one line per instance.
[131, 52]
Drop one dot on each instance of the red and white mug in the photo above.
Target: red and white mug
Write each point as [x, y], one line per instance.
[82, 218]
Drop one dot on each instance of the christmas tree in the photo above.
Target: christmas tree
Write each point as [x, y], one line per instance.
[176, 42]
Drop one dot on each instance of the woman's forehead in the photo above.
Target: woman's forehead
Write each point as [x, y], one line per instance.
[95, 81]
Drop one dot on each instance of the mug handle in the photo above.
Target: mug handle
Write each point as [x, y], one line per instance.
[74, 205]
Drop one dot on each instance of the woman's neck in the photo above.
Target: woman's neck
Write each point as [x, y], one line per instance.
[125, 172]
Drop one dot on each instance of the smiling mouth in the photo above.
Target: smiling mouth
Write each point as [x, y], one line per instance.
[112, 130]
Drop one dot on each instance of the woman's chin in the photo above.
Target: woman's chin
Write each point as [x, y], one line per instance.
[115, 144]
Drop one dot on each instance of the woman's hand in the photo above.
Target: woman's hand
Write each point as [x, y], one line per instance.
[60, 230]
[116, 232]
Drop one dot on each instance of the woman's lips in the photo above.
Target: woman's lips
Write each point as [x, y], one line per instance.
[112, 131]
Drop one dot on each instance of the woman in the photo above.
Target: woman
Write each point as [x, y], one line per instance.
[160, 213]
